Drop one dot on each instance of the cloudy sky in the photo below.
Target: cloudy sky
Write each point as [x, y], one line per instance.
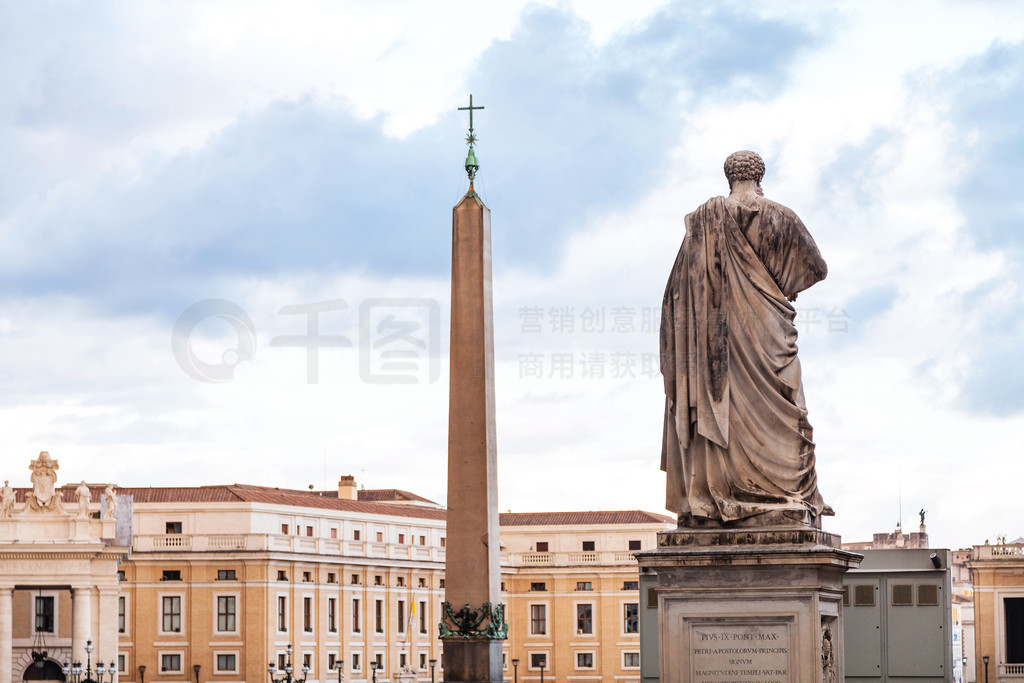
[188, 190]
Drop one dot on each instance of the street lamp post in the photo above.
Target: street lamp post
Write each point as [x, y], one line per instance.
[985, 660]
[286, 672]
[339, 664]
[542, 663]
[515, 671]
[73, 672]
[196, 667]
[373, 669]
[433, 663]
[142, 673]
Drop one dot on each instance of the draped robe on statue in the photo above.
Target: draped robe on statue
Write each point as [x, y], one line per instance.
[737, 443]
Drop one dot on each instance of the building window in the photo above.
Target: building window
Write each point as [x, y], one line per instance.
[401, 539]
[631, 617]
[630, 659]
[442, 541]
[634, 545]
[355, 537]
[172, 615]
[584, 618]
[378, 616]
[584, 660]
[378, 580]
[355, 618]
[44, 614]
[401, 616]
[120, 613]
[172, 528]
[542, 546]
[380, 537]
[332, 660]
[355, 662]
[170, 662]
[355, 580]
[538, 619]
[171, 575]
[331, 578]
[282, 575]
[402, 661]
[588, 546]
[440, 583]
[423, 540]
[122, 663]
[225, 574]
[332, 617]
[284, 529]
[538, 586]
[307, 577]
[584, 586]
[307, 615]
[334, 534]
[422, 582]
[538, 660]
[225, 612]
[630, 585]
[120, 575]
[309, 531]
[226, 662]
[282, 613]
[423, 616]
[400, 581]
[502, 585]
[423, 661]
[282, 661]
[379, 658]
[307, 661]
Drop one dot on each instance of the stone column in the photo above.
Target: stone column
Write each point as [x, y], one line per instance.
[106, 648]
[6, 632]
[81, 621]
[473, 552]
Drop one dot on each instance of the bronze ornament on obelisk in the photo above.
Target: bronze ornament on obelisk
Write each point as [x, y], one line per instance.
[473, 624]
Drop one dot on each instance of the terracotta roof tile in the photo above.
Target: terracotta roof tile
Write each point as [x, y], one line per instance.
[580, 518]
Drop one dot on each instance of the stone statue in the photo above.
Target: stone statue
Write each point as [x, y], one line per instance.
[44, 496]
[922, 512]
[6, 500]
[111, 504]
[737, 445]
[828, 657]
[84, 496]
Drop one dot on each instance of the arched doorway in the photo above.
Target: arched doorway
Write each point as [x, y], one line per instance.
[49, 671]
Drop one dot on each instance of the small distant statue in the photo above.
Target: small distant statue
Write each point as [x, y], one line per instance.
[111, 511]
[84, 496]
[6, 500]
[44, 496]
[737, 446]
[921, 512]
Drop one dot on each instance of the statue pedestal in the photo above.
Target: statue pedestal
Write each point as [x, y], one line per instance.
[750, 605]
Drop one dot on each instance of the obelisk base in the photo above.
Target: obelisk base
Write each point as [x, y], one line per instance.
[472, 660]
[757, 605]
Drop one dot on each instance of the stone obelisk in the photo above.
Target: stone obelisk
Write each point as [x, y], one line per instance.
[473, 625]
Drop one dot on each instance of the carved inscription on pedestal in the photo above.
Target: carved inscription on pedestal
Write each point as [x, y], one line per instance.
[741, 650]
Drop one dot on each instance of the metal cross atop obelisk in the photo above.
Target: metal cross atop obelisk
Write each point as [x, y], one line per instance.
[471, 163]
[473, 624]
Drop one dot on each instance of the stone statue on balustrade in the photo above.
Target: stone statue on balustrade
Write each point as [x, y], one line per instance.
[111, 502]
[84, 497]
[737, 445]
[6, 500]
[44, 496]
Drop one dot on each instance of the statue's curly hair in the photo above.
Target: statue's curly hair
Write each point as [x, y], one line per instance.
[744, 165]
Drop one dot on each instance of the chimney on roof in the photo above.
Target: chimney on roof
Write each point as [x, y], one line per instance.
[347, 488]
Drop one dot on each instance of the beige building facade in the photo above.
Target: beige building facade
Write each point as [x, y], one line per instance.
[997, 573]
[211, 584]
